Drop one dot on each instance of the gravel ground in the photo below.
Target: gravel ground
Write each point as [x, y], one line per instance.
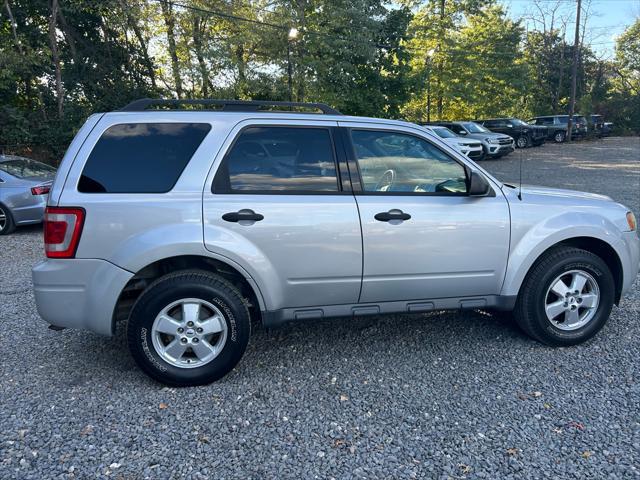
[448, 395]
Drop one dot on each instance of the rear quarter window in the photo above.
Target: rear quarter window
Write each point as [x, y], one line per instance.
[141, 157]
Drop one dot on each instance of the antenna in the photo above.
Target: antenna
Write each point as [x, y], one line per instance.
[520, 182]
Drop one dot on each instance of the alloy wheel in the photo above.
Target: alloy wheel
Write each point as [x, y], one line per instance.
[572, 300]
[3, 219]
[522, 142]
[189, 333]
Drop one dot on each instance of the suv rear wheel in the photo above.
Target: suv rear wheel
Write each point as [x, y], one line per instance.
[188, 328]
[566, 298]
[559, 136]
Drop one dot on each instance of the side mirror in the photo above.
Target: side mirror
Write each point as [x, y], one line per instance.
[478, 185]
[463, 132]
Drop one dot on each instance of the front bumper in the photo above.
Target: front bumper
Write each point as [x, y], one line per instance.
[498, 150]
[631, 265]
[79, 293]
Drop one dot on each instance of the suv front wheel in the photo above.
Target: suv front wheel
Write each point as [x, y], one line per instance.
[188, 328]
[566, 298]
[522, 141]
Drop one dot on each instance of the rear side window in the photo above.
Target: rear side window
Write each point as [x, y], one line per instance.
[285, 160]
[141, 157]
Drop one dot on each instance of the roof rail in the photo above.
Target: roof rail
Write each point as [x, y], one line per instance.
[227, 105]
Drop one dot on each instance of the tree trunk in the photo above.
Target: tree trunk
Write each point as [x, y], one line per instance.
[68, 35]
[198, 26]
[167, 13]
[27, 78]
[440, 61]
[55, 55]
[574, 72]
[241, 88]
[133, 23]
[556, 102]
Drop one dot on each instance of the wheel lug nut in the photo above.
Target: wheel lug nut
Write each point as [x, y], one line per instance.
[189, 324]
[183, 339]
[199, 330]
[195, 340]
[180, 330]
[566, 304]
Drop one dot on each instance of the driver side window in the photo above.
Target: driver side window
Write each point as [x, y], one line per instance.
[398, 162]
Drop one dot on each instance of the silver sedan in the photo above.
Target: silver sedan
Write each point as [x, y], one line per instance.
[24, 187]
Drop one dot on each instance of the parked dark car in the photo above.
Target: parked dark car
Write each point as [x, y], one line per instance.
[557, 126]
[599, 127]
[525, 135]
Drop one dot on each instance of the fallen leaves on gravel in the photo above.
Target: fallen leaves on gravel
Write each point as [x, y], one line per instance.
[512, 452]
[576, 425]
[344, 398]
[162, 406]
[586, 454]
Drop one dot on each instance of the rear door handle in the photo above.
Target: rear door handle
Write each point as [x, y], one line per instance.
[244, 214]
[392, 215]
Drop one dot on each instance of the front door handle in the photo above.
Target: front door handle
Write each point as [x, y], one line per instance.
[244, 214]
[392, 215]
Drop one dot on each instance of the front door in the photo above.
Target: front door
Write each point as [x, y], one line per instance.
[278, 207]
[423, 236]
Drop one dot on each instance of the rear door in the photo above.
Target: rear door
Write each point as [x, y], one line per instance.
[278, 203]
[423, 236]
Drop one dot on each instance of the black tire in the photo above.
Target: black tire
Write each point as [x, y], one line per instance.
[560, 136]
[184, 284]
[530, 306]
[523, 141]
[7, 225]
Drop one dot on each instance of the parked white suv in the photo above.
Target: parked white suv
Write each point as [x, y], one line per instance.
[467, 146]
[187, 224]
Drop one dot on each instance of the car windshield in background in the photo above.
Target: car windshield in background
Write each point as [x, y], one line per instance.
[474, 127]
[444, 132]
[25, 168]
[517, 121]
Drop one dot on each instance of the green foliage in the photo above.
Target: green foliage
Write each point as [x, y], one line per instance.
[61, 60]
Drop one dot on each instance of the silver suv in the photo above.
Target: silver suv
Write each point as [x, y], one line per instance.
[188, 224]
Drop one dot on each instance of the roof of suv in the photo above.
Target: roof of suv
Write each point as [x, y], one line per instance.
[250, 108]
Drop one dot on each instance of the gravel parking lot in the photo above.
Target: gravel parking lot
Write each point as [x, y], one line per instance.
[447, 395]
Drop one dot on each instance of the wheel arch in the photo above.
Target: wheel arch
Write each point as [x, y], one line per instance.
[149, 273]
[593, 244]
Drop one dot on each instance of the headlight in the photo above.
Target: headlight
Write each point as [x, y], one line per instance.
[631, 220]
[492, 140]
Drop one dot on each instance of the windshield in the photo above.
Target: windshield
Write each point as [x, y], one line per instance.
[444, 132]
[25, 167]
[472, 127]
[517, 121]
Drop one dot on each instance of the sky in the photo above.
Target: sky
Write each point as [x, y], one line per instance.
[605, 18]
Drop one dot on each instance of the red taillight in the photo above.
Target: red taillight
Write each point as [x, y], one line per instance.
[40, 190]
[62, 229]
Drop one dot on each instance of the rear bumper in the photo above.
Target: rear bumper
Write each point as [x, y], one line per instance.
[31, 213]
[79, 293]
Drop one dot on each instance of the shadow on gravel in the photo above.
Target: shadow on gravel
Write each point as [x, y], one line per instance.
[397, 338]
